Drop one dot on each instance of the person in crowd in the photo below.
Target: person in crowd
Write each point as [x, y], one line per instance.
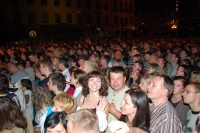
[195, 76]
[162, 62]
[183, 54]
[177, 100]
[82, 121]
[153, 68]
[88, 66]
[145, 82]
[163, 115]
[4, 90]
[116, 92]
[174, 61]
[191, 96]
[118, 57]
[154, 58]
[82, 59]
[183, 70]
[135, 109]
[78, 79]
[57, 83]
[42, 102]
[65, 103]
[63, 67]
[12, 118]
[38, 75]
[94, 57]
[46, 69]
[26, 87]
[56, 123]
[104, 60]
[33, 57]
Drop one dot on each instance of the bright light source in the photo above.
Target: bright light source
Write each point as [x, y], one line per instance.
[174, 26]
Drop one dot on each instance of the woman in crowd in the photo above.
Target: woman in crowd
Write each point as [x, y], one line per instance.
[145, 81]
[183, 70]
[78, 80]
[42, 102]
[135, 109]
[56, 123]
[63, 102]
[177, 100]
[12, 119]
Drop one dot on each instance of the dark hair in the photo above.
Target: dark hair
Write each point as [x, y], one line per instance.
[182, 79]
[106, 57]
[26, 83]
[81, 76]
[54, 119]
[186, 71]
[4, 84]
[117, 69]
[142, 116]
[11, 115]
[103, 91]
[48, 63]
[59, 80]
[64, 61]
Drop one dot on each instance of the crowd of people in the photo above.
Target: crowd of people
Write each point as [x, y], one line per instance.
[103, 85]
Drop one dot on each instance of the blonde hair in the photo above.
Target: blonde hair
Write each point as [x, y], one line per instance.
[65, 102]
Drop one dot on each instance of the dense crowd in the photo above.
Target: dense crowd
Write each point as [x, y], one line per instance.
[102, 85]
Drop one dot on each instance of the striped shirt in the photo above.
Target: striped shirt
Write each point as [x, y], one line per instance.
[164, 119]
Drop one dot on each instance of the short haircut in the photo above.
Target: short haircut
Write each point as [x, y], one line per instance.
[59, 80]
[196, 75]
[182, 79]
[26, 83]
[167, 82]
[54, 119]
[64, 61]
[47, 63]
[106, 57]
[196, 86]
[85, 120]
[65, 102]
[4, 84]
[117, 69]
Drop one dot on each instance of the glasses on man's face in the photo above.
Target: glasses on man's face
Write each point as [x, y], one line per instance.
[187, 91]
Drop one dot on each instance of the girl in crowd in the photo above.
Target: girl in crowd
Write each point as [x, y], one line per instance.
[12, 118]
[95, 92]
[183, 70]
[135, 109]
[63, 102]
[177, 100]
[93, 97]
[78, 80]
[56, 122]
[42, 102]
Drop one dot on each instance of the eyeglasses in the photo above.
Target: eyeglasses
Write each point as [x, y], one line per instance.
[187, 91]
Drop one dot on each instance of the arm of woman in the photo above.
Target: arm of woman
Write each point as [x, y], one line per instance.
[114, 111]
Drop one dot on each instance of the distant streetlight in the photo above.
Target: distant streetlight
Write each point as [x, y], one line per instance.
[174, 26]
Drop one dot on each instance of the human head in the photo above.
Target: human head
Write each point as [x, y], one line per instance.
[191, 94]
[26, 84]
[117, 76]
[118, 55]
[96, 79]
[57, 82]
[12, 68]
[56, 122]
[82, 121]
[41, 97]
[11, 115]
[183, 70]
[195, 76]
[46, 67]
[136, 104]
[145, 81]
[33, 57]
[104, 59]
[153, 67]
[179, 84]
[4, 84]
[63, 102]
[88, 66]
[78, 77]
[154, 58]
[161, 87]
[62, 63]
[82, 58]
